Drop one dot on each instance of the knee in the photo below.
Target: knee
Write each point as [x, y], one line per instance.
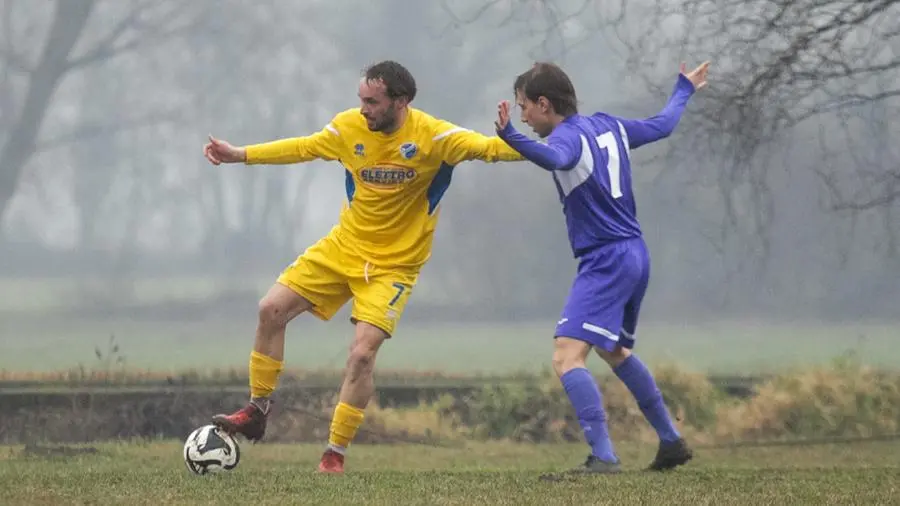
[559, 362]
[271, 313]
[616, 357]
[364, 348]
[362, 357]
[567, 357]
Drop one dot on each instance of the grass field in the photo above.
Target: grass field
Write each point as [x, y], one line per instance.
[724, 347]
[493, 474]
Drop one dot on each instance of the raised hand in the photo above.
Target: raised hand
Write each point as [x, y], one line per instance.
[218, 151]
[697, 77]
[502, 115]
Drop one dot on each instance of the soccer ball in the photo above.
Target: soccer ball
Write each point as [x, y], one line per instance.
[209, 449]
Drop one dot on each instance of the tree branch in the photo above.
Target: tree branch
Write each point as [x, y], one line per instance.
[8, 53]
[142, 33]
[88, 131]
[13, 60]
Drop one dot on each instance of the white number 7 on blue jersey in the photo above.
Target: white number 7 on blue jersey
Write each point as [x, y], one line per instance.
[608, 142]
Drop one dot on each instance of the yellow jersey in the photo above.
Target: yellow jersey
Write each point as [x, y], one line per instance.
[395, 182]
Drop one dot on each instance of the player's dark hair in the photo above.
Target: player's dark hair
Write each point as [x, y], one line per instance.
[397, 79]
[548, 80]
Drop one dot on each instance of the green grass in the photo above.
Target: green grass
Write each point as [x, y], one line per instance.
[494, 474]
[51, 294]
[723, 347]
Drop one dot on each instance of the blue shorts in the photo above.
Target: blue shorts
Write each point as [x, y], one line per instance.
[605, 299]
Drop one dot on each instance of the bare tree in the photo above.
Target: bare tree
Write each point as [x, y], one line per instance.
[779, 65]
[68, 44]
[252, 216]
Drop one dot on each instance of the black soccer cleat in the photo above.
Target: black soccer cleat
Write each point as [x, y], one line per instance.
[671, 455]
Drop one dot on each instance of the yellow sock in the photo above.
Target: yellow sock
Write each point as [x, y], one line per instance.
[264, 373]
[344, 425]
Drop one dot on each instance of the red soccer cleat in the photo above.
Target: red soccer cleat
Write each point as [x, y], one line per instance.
[332, 462]
[249, 421]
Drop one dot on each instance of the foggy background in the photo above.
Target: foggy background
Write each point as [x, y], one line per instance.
[775, 200]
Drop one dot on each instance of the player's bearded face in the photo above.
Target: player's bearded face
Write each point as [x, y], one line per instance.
[534, 115]
[385, 119]
[377, 107]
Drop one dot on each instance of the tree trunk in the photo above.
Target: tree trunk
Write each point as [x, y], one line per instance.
[69, 21]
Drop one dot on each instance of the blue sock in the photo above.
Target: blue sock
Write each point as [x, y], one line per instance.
[585, 396]
[643, 387]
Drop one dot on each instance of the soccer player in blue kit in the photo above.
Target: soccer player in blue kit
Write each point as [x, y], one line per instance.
[589, 158]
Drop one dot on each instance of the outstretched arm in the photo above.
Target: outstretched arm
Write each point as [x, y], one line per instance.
[324, 145]
[662, 125]
[461, 144]
[560, 153]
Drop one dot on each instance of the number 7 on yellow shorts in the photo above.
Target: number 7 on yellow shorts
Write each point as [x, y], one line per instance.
[380, 300]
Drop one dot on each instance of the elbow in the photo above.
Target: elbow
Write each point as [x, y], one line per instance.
[560, 162]
[666, 129]
[554, 165]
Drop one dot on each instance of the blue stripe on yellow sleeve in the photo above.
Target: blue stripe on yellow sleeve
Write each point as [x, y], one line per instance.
[439, 185]
[350, 185]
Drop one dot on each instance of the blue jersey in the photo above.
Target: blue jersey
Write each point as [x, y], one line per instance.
[589, 157]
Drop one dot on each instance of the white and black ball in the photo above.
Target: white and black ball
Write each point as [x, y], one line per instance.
[209, 449]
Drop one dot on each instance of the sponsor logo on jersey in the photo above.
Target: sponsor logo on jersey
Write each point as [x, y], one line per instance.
[387, 176]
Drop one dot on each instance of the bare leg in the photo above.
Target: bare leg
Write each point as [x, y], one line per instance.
[278, 307]
[356, 392]
[614, 358]
[359, 383]
[569, 354]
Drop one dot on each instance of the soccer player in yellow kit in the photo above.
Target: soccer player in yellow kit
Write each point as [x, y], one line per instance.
[398, 162]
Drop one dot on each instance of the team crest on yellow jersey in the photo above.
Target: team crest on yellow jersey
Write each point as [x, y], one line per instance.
[387, 175]
[409, 150]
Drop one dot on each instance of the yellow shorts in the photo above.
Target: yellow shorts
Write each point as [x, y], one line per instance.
[328, 275]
